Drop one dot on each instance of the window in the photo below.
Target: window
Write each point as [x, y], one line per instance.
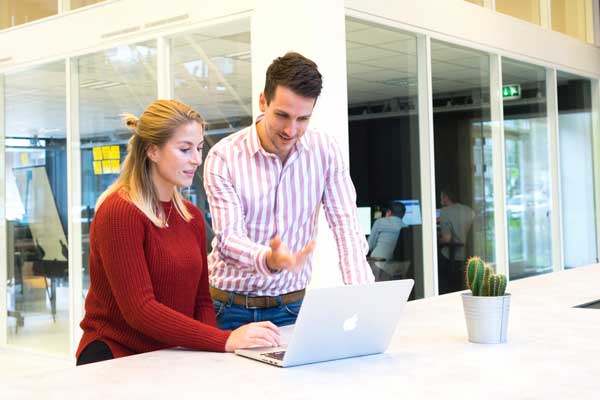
[574, 18]
[111, 82]
[17, 12]
[81, 3]
[577, 200]
[36, 212]
[528, 10]
[384, 145]
[211, 73]
[527, 169]
[463, 160]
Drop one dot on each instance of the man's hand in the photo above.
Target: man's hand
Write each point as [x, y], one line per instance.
[280, 258]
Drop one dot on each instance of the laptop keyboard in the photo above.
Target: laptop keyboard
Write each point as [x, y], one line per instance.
[277, 355]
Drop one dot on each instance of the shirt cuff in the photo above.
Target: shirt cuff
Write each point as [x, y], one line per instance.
[261, 262]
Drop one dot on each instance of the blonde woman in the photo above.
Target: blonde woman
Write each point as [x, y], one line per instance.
[148, 270]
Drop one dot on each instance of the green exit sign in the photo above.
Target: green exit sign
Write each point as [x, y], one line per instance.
[510, 92]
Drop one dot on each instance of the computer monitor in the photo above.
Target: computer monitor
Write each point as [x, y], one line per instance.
[413, 212]
[364, 219]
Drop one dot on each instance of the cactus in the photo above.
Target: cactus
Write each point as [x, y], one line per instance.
[484, 290]
[497, 285]
[475, 268]
[482, 281]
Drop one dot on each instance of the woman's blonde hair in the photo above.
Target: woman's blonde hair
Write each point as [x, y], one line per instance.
[155, 127]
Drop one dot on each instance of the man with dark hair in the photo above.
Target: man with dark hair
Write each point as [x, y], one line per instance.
[295, 72]
[384, 236]
[265, 185]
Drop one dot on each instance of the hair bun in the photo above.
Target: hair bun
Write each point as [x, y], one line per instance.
[131, 120]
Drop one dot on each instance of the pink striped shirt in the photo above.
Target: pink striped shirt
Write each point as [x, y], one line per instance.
[253, 197]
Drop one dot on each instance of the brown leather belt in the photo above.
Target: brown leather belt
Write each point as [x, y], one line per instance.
[256, 301]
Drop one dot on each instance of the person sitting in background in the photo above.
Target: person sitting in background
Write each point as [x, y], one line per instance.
[148, 268]
[382, 241]
[385, 232]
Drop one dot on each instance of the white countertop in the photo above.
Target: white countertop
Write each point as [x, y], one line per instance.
[553, 352]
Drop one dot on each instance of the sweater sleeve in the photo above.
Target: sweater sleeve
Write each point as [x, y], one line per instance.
[120, 243]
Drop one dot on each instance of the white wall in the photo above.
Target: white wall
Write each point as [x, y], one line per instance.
[321, 37]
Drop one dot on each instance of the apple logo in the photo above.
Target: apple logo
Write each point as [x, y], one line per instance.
[350, 323]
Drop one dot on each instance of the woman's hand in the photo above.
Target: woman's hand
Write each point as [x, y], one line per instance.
[256, 334]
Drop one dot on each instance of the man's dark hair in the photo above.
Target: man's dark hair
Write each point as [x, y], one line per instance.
[450, 194]
[397, 209]
[295, 72]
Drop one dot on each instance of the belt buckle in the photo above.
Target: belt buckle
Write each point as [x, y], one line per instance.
[246, 297]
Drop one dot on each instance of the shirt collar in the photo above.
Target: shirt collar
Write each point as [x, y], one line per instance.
[253, 142]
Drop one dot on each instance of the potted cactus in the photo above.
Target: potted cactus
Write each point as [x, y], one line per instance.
[486, 307]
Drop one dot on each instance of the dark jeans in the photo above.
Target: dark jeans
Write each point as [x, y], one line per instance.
[231, 316]
[94, 352]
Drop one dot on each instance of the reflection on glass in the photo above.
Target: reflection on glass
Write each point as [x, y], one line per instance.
[211, 73]
[36, 209]
[17, 12]
[463, 160]
[118, 80]
[575, 133]
[572, 18]
[527, 170]
[528, 10]
[384, 144]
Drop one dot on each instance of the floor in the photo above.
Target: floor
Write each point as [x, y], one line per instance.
[40, 344]
[39, 331]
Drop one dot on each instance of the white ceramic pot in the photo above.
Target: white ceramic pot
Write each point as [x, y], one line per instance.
[487, 317]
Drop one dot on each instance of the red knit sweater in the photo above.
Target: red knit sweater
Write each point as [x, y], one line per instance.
[149, 285]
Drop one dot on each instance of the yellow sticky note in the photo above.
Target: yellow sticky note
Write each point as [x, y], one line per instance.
[106, 167]
[114, 152]
[97, 153]
[115, 166]
[106, 152]
[97, 167]
[24, 159]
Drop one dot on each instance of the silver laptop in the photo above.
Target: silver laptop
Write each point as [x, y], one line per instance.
[339, 322]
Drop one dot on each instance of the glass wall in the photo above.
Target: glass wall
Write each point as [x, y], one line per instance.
[463, 160]
[575, 133]
[17, 12]
[528, 10]
[574, 18]
[36, 209]
[111, 82]
[211, 72]
[527, 169]
[384, 147]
